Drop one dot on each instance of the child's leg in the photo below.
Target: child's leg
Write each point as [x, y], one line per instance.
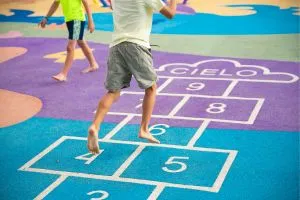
[62, 76]
[104, 105]
[148, 105]
[89, 55]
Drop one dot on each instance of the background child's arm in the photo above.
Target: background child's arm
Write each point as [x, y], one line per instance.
[52, 10]
[91, 25]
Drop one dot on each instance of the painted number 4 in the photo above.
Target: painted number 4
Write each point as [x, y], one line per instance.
[176, 163]
[88, 157]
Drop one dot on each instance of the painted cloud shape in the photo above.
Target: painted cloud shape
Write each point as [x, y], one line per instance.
[224, 69]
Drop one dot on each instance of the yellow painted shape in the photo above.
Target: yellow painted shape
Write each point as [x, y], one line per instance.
[8, 53]
[219, 6]
[61, 56]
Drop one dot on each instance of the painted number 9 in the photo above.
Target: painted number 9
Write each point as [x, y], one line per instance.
[195, 86]
[179, 165]
[103, 194]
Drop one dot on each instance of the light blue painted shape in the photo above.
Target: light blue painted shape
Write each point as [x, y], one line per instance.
[267, 20]
[198, 168]
[63, 158]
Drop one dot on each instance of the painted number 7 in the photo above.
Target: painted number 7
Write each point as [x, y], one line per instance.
[181, 166]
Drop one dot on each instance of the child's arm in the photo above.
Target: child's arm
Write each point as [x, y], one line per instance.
[91, 25]
[52, 10]
[170, 10]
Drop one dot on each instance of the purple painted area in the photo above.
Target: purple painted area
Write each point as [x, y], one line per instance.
[132, 103]
[203, 87]
[78, 98]
[218, 109]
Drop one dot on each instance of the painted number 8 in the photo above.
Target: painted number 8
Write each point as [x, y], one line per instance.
[215, 108]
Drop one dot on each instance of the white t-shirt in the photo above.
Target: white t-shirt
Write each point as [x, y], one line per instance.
[133, 20]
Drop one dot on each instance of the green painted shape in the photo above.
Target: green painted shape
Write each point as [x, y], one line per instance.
[279, 47]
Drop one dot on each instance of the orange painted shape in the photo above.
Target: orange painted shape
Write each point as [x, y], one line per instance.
[16, 107]
[8, 53]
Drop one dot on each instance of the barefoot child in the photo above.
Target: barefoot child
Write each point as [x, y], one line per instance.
[129, 56]
[75, 20]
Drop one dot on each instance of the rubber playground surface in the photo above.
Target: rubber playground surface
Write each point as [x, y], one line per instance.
[227, 108]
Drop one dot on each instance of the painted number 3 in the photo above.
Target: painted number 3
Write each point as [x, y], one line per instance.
[175, 163]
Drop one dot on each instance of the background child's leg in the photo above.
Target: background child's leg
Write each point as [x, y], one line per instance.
[148, 105]
[89, 55]
[62, 76]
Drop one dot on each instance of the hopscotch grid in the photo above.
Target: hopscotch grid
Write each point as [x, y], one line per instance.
[116, 176]
[179, 106]
[118, 127]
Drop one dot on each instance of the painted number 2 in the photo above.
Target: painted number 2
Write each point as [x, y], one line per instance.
[177, 165]
[103, 194]
[215, 108]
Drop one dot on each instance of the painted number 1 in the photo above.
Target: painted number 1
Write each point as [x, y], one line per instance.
[176, 163]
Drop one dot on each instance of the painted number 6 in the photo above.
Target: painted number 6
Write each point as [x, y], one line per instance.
[158, 129]
[181, 166]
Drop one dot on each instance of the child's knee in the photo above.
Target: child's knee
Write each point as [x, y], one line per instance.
[152, 88]
[80, 43]
[70, 48]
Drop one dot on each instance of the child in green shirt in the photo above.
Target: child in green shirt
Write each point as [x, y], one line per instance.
[75, 20]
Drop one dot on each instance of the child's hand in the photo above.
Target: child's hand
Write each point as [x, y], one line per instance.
[43, 23]
[91, 27]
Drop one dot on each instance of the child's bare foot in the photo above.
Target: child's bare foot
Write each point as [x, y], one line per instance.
[60, 77]
[93, 145]
[149, 137]
[90, 69]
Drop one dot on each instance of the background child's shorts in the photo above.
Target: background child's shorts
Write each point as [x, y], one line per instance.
[76, 29]
[127, 59]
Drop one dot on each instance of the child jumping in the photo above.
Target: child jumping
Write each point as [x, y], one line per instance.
[130, 55]
[75, 21]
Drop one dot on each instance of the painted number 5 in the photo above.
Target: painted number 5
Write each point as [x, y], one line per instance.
[103, 194]
[180, 166]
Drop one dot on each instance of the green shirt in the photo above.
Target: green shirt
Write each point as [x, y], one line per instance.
[72, 9]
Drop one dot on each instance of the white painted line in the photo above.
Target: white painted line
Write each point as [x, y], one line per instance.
[43, 153]
[184, 118]
[156, 192]
[118, 127]
[165, 84]
[179, 106]
[230, 88]
[156, 145]
[256, 110]
[129, 160]
[119, 179]
[196, 95]
[224, 171]
[294, 79]
[199, 133]
[51, 187]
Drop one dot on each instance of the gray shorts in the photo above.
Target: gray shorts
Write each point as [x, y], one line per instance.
[127, 59]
